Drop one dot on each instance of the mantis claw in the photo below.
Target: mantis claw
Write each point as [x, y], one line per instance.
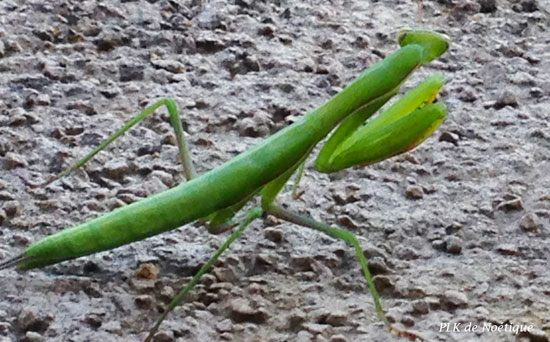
[12, 261]
[298, 195]
[407, 334]
[37, 185]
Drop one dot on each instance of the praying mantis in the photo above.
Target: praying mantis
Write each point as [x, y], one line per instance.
[216, 197]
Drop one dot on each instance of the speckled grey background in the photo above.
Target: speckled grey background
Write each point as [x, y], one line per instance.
[457, 230]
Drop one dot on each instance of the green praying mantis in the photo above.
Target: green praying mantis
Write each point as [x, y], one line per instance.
[217, 196]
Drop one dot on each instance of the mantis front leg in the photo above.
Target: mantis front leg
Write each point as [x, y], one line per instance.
[400, 128]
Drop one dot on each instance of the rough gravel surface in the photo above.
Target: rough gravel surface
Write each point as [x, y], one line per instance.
[457, 231]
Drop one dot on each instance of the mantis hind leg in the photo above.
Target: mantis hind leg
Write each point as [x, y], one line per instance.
[351, 239]
[173, 112]
[251, 216]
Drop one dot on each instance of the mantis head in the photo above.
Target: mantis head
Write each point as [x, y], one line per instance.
[434, 43]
